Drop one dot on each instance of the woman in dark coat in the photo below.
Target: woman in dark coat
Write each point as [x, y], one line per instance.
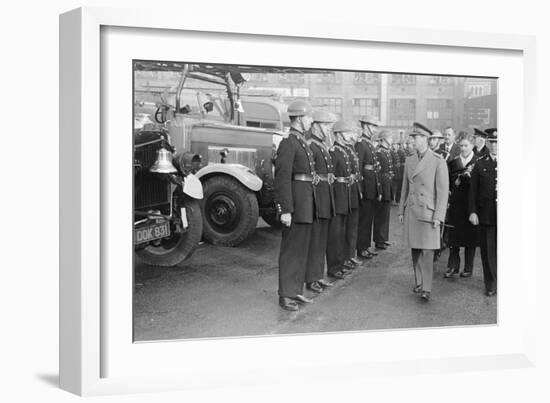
[464, 234]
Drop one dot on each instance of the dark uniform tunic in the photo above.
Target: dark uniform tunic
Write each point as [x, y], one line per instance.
[336, 252]
[481, 153]
[352, 221]
[294, 158]
[483, 202]
[382, 214]
[325, 210]
[402, 155]
[397, 179]
[370, 187]
[463, 233]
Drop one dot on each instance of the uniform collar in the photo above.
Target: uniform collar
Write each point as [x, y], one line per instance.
[297, 133]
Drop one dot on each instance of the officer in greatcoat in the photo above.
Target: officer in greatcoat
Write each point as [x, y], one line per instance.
[483, 210]
[424, 196]
[382, 214]
[337, 252]
[370, 185]
[294, 185]
[320, 132]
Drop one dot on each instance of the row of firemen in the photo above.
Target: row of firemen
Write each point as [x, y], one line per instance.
[334, 187]
[333, 190]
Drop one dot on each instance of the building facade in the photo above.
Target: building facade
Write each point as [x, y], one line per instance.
[397, 100]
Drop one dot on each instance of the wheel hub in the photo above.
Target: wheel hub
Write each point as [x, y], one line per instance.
[222, 212]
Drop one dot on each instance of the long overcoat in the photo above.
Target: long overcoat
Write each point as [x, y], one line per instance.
[424, 196]
[463, 232]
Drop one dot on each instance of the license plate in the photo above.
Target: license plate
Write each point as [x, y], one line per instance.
[151, 232]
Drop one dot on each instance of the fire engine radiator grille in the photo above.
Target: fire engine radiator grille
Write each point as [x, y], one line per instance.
[150, 189]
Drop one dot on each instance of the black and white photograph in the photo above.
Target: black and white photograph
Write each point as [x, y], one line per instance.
[272, 200]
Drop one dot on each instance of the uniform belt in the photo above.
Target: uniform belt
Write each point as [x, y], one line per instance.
[303, 177]
[368, 167]
[342, 179]
[323, 177]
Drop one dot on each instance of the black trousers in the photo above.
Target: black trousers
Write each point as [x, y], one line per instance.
[488, 248]
[352, 225]
[317, 250]
[454, 258]
[336, 249]
[381, 230]
[366, 219]
[293, 257]
[396, 189]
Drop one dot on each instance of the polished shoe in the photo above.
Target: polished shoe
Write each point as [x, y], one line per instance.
[372, 252]
[288, 303]
[324, 283]
[315, 287]
[387, 243]
[302, 300]
[490, 293]
[345, 269]
[466, 274]
[339, 275]
[425, 295]
[380, 246]
[365, 254]
[450, 273]
[355, 261]
[348, 264]
[417, 289]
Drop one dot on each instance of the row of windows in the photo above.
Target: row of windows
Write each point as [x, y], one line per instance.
[368, 78]
[402, 111]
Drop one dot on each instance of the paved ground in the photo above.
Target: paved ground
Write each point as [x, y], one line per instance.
[221, 292]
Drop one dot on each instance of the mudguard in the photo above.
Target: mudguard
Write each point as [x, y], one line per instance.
[243, 174]
[192, 186]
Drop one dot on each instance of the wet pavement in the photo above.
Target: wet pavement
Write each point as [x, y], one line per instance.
[223, 292]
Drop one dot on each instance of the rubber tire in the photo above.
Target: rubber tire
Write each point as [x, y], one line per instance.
[187, 245]
[246, 202]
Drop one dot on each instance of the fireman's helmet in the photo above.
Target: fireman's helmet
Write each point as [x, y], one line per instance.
[343, 126]
[370, 120]
[383, 135]
[299, 108]
[321, 116]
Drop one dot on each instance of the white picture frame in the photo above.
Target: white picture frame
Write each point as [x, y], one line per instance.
[83, 157]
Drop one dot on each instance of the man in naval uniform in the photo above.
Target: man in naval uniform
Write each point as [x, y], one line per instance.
[483, 209]
[481, 150]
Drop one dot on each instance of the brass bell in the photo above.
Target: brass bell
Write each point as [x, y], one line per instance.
[163, 164]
